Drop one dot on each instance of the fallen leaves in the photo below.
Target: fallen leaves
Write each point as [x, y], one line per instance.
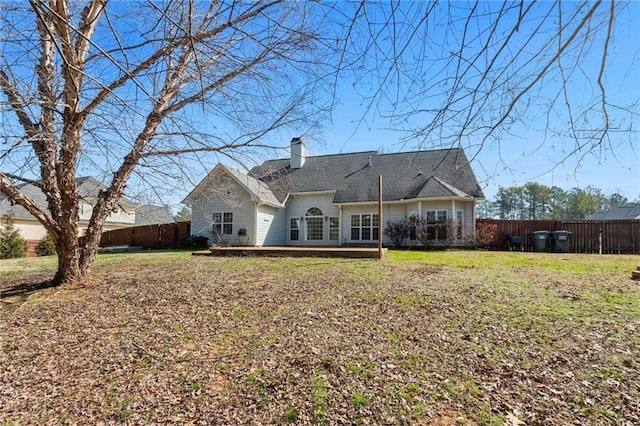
[258, 341]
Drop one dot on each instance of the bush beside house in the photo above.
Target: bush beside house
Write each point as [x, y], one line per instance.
[46, 247]
[12, 245]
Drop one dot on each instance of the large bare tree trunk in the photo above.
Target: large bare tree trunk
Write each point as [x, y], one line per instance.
[69, 271]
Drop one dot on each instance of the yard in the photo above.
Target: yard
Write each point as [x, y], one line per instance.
[476, 338]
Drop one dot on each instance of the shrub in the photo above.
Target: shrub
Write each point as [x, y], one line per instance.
[425, 232]
[12, 245]
[46, 247]
[454, 231]
[485, 233]
[397, 231]
[194, 242]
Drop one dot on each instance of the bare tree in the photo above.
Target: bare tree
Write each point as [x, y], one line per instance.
[119, 88]
[130, 92]
[474, 73]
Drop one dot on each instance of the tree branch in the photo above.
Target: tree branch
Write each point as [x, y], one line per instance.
[130, 75]
[7, 188]
[543, 72]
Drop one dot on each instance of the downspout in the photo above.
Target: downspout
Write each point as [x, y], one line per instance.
[453, 217]
[339, 225]
[473, 215]
[255, 225]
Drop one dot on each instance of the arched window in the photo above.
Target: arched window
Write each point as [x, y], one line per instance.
[315, 224]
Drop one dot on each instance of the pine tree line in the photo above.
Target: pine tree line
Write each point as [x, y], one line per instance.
[535, 201]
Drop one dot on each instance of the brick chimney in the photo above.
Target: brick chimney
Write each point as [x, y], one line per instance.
[298, 153]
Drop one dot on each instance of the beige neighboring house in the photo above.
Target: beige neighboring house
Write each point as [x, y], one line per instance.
[131, 214]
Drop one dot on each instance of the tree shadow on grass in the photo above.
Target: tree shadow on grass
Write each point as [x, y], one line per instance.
[25, 288]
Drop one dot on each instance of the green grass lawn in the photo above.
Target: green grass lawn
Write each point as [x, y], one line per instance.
[456, 337]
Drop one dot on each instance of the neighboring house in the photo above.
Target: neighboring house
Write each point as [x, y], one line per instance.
[147, 214]
[130, 214]
[332, 200]
[617, 213]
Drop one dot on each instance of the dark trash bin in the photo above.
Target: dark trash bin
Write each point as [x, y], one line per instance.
[561, 241]
[513, 242]
[540, 240]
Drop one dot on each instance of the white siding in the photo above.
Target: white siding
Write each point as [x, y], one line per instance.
[271, 226]
[223, 194]
[297, 207]
[468, 218]
[126, 217]
[30, 229]
[393, 212]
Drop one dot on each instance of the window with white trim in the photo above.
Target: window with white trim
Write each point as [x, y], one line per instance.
[334, 224]
[295, 229]
[436, 224]
[223, 222]
[364, 227]
[459, 224]
[413, 218]
[315, 224]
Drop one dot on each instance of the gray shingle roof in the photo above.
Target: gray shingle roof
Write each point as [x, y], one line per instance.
[147, 214]
[618, 213]
[406, 175]
[17, 211]
[88, 189]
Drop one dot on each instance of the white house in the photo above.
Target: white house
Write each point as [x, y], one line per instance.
[331, 200]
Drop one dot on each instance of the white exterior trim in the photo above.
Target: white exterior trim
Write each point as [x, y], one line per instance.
[333, 191]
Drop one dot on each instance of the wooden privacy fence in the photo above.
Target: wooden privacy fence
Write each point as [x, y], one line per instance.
[587, 236]
[158, 236]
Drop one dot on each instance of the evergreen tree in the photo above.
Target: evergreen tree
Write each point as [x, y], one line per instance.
[46, 246]
[184, 215]
[12, 245]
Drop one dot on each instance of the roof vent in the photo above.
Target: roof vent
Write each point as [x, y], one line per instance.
[369, 162]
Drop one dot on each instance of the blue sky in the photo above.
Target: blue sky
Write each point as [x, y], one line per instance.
[518, 161]
[536, 147]
[532, 149]
[392, 91]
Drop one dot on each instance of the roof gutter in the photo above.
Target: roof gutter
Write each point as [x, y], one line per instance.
[407, 200]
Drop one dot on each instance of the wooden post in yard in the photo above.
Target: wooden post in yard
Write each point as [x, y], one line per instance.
[600, 241]
[379, 217]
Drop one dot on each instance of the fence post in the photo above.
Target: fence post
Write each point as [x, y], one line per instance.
[600, 241]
